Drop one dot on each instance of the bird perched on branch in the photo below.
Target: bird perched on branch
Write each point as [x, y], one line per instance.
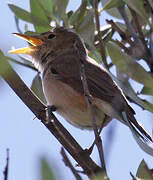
[55, 56]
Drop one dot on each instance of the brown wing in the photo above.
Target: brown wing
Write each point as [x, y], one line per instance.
[100, 84]
[99, 81]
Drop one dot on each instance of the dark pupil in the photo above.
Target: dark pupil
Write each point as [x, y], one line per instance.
[51, 36]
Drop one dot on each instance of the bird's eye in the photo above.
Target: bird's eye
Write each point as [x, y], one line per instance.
[51, 36]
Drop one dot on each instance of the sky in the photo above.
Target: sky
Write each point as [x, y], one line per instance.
[28, 139]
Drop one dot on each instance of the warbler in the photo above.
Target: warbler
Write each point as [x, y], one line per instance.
[54, 54]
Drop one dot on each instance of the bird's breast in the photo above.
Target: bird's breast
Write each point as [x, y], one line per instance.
[70, 104]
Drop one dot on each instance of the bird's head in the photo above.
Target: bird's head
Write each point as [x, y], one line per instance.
[46, 46]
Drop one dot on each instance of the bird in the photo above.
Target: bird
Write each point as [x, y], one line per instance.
[56, 54]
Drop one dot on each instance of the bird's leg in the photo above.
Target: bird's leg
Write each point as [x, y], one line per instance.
[106, 119]
[89, 150]
[49, 111]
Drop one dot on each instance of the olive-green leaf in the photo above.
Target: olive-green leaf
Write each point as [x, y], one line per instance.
[46, 171]
[78, 16]
[102, 176]
[147, 91]
[138, 6]
[37, 88]
[26, 16]
[121, 26]
[60, 10]
[128, 65]
[4, 69]
[144, 172]
[113, 4]
[87, 27]
[129, 92]
[20, 13]
[113, 10]
[48, 6]
[38, 11]
[151, 3]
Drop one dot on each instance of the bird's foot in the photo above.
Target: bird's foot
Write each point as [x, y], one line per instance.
[49, 111]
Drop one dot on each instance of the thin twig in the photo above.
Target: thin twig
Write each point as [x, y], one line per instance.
[7, 165]
[147, 56]
[124, 35]
[122, 12]
[69, 164]
[101, 43]
[55, 127]
[81, 59]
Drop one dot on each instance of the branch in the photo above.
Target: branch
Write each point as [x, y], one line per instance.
[68, 163]
[7, 165]
[101, 44]
[124, 36]
[55, 127]
[89, 100]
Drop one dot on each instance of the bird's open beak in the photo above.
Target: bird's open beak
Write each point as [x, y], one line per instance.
[27, 50]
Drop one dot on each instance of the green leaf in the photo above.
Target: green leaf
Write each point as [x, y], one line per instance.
[121, 26]
[46, 171]
[113, 4]
[93, 53]
[102, 176]
[60, 10]
[147, 91]
[48, 6]
[37, 88]
[144, 172]
[138, 6]
[26, 16]
[38, 11]
[4, 69]
[20, 13]
[129, 92]
[87, 27]
[151, 3]
[113, 11]
[128, 65]
[78, 16]
[61, 6]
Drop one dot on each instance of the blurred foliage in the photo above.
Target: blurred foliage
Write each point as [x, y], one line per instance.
[46, 171]
[143, 172]
[101, 176]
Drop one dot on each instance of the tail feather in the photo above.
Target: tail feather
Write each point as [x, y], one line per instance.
[140, 130]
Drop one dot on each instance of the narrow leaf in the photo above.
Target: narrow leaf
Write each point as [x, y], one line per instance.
[87, 27]
[138, 6]
[48, 6]
[113, 4]
[26, 16]
[144, 172]
[101, 176]
[113, 10]
[128, 65]
[46, 171]
[78, 16]
[129, 92]
[37, 88]
[3, 68]
[38, 11]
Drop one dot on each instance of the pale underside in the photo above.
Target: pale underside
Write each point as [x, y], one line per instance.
[72, 105]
